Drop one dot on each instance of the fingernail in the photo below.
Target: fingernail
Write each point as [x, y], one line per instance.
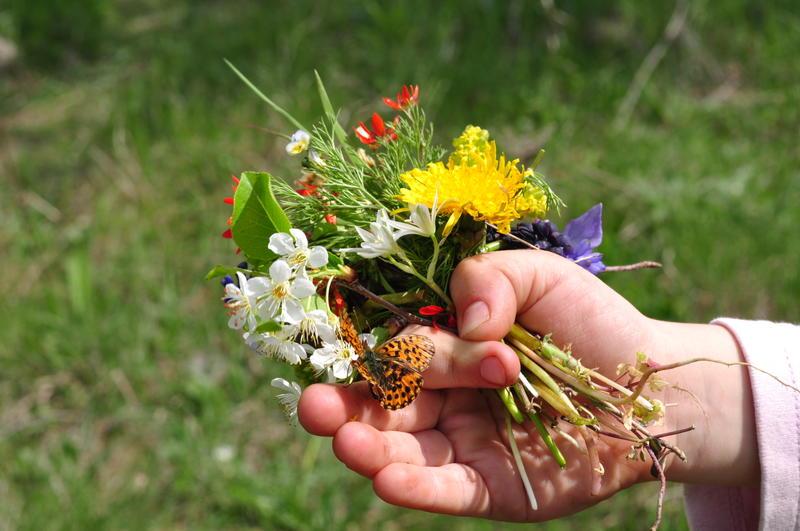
[493, 372]
[475, 315]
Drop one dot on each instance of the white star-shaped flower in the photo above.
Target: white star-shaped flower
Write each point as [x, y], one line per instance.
[422, 221]
[316, 326]
[379, 240]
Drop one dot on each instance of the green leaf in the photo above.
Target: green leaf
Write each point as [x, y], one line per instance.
[328, 108]
[256, 215]
[220, 271]
[381, 334]
[324, 230]
[269, 102]
[269, 326]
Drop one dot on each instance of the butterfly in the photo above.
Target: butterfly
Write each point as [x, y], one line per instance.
[394, 369]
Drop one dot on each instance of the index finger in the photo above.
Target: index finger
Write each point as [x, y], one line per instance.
[460, 363]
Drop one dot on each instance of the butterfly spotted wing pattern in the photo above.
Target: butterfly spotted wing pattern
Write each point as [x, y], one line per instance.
[348, 333]
[393, 369]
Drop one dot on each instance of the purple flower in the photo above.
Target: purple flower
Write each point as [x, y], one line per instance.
[577, 242]
[584, 234]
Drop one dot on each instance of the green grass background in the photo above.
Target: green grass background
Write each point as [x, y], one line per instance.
[122, 390]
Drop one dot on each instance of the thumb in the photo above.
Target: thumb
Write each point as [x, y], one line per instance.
[542, 291]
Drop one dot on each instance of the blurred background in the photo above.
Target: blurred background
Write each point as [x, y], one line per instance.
[125, 402]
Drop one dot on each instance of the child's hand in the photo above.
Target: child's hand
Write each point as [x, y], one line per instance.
[447, 452]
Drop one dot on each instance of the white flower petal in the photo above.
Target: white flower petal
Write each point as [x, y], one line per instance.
[317, 256]
[236, 321]
[342, 369]
[292, 311]
[281, 384]
[315, 158]
[294, 353]
[280, 271]
[232, 291]
[281, 243]
[302, 288]
[300, 238]
[321, 358]
[300, 136]
[257, 287]
[268, 308]
[365, 234]
[326, 333]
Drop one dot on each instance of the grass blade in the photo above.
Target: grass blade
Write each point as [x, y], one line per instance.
[264, 97]
[329, 112]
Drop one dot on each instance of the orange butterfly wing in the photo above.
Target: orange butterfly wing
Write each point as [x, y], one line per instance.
[348, 333]
[393, 369]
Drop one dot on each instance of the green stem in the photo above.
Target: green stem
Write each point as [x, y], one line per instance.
[511, 406]
[409, 268]
[552, 392]
[489, 247]
[548, 440]
[630, 396]
[434, 259]
[530, 346]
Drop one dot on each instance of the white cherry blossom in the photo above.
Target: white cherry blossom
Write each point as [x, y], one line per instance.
[289, 397]
[335, 358]
[317, 326]
[242, 300]
[280, 345]
[282, 299]
[293, 247]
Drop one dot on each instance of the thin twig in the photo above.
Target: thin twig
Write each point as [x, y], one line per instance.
[639, 429]
[618, 436]
[652, 370]
[671, 32]
[515, 237]
[662, 490]
[632, 267]
[409, 317]
[594, 459]
[674, 432]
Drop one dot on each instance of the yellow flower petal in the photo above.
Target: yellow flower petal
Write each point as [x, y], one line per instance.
[477, 183]
[451, 222]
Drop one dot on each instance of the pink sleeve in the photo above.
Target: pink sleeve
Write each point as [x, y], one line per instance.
[775, 348]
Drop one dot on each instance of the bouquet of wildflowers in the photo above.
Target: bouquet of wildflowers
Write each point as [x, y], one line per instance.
[365, 241]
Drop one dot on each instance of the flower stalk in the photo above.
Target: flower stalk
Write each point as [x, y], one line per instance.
[548, 440]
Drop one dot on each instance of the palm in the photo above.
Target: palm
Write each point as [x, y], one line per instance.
[465, 419]
[448, 452]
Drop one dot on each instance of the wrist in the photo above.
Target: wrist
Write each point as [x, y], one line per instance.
[714, 398]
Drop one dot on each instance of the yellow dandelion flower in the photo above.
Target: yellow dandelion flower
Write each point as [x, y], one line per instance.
[474, 181]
